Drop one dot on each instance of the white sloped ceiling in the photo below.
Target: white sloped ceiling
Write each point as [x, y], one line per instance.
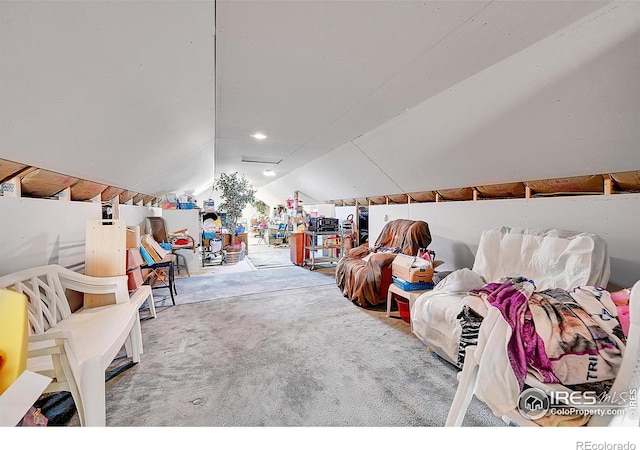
[358, 98]
[120, 93]
[566, 105]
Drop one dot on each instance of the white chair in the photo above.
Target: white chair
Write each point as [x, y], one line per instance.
[627, 379]
[76, 348]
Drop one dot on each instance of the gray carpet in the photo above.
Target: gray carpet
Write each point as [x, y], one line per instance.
[218, 286]
[271, 259]
[296, 357]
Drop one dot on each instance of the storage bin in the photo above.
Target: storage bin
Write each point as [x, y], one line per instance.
[403, 308]
[406, 286]
[134, 279]
[233, 255]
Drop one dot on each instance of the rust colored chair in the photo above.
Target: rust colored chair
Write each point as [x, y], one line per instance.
[364, 273]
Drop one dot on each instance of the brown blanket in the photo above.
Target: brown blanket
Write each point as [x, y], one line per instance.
[359, 273]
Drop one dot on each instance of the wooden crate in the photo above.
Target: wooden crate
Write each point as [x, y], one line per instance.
[134, 258]
[134, 278]
[133, 237]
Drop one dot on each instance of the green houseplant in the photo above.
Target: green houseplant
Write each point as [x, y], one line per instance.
[236, 193]
[261, 207]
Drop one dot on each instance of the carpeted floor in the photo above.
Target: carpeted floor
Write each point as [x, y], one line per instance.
[276, 347]
[303, 357]
[270, 259]
[218, 286]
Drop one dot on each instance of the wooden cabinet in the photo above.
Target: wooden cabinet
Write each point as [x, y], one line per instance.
[105, 255]
[297, 249]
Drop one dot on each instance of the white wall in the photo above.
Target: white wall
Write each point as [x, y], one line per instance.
[456, 226]
[35, 232]
[563, 106]
[342, 212]
[321, 209]
[136, 215]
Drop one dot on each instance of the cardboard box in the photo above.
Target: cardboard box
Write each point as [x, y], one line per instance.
[134, 258]
[412, 269]
[135, 279]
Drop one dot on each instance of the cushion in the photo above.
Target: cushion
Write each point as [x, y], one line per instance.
[551, 258]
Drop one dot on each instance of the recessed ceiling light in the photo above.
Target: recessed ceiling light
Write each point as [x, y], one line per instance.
[269, 173]
[259, 136]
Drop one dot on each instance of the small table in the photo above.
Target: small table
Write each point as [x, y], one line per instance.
[410, 295]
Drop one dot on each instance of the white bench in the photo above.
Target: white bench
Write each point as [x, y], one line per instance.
[141, 294]
[75, 349]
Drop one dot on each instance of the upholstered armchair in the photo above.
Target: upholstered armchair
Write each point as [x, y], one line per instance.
[364, 273]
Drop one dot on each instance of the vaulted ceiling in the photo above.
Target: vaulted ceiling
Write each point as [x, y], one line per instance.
[357, 98]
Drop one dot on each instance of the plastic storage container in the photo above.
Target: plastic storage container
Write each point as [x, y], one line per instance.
[403, 308]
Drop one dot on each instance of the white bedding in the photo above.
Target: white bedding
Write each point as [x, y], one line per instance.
[436, 312]
[551, 258]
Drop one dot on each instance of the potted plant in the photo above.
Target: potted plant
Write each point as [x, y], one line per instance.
[261, 207]
[236, 193]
